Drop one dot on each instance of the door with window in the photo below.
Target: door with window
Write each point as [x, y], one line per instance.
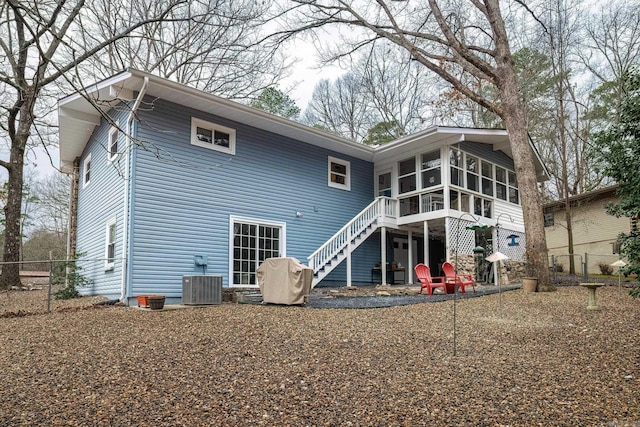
[253, 242]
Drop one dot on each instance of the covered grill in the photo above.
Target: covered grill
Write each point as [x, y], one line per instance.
[284, 281]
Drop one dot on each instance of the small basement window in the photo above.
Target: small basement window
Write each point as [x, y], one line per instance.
[339, 174]
[213, 136]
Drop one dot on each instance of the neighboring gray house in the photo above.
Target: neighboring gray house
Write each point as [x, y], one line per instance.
[202, 178]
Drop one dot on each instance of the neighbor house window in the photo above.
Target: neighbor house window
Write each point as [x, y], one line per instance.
[110, 245]
[213, 136]
[339, 174]
[113, 143]
[548, 219]
[253, 241]
[86, 171]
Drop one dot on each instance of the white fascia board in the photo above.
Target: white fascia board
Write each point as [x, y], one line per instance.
[130, 80]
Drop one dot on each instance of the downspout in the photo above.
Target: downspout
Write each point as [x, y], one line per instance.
[127, 189]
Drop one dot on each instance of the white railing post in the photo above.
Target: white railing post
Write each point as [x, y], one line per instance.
[349, 236]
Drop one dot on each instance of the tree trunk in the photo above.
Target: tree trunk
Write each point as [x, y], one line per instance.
[22, 114]
[537, 261]
[10, 275]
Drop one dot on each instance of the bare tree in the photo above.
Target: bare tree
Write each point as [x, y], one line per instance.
[52, 207]
[451, 40]
[340, 107]
[384, 91]
[39, 46]
[611, 49]
[209, 45]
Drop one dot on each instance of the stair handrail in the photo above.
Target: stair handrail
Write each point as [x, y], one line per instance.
[379, 207]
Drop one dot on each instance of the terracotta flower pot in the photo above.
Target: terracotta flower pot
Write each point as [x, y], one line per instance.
[154, 302]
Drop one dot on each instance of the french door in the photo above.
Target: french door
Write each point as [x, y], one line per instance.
[253, 242]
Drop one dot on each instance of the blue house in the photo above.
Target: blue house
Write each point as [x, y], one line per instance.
[173, 181]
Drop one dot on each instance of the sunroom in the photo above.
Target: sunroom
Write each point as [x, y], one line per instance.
[456, 195]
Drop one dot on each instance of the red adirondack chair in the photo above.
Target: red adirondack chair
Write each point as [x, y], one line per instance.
[460, 280]
[424, 275]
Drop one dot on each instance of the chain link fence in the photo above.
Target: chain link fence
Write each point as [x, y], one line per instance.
[41, 281]
[588, 267]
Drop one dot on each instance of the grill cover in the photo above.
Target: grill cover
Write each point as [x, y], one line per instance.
[284, 281]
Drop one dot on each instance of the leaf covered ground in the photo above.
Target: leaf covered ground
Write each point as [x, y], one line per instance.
[543, 359]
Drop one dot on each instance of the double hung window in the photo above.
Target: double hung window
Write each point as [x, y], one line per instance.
[86, 171]
[430, 169]
[113, 143]
[339, 173]
[407, 175]
[110, 245]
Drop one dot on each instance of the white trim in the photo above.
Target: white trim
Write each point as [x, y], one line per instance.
[283, 241]
[86, 166]
[211, 145]
[111, 155]
[347, 177]
[108, 265]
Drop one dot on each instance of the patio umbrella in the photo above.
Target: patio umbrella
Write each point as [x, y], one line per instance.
[619, 263]
[497, 257]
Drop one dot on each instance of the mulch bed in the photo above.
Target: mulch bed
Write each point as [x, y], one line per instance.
[521, 359]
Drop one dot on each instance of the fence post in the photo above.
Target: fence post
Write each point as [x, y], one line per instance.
[553, 268]
[50, 279]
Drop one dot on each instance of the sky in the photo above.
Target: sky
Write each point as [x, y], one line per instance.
[304, 75]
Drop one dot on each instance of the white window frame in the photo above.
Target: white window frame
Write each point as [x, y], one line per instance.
[257, 222]
[111, 153]
[347, 177]
[109, 263]
[213, 127]
[86, 167]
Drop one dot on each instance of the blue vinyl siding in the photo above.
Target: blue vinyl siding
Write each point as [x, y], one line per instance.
[100, 201]
[184, 196]
[486, 152]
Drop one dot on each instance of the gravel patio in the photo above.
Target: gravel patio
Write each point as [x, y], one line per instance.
[545, 361]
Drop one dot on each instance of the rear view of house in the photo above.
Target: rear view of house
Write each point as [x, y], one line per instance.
[172, 181]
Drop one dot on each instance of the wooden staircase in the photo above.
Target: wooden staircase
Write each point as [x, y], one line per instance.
[382, 212]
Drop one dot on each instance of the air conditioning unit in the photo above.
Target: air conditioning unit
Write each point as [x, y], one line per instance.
[201, 290]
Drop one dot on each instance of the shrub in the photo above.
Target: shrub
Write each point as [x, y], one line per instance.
[558, 267]
[74, 279]
[605, 269]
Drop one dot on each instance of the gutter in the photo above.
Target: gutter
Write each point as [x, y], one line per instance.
[127, 189]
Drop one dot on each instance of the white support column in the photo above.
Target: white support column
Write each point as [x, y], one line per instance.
[409, 268]
[426, 243]
[383, 255]
[447, 238]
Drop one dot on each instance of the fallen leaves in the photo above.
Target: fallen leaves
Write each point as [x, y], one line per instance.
[546, 361]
